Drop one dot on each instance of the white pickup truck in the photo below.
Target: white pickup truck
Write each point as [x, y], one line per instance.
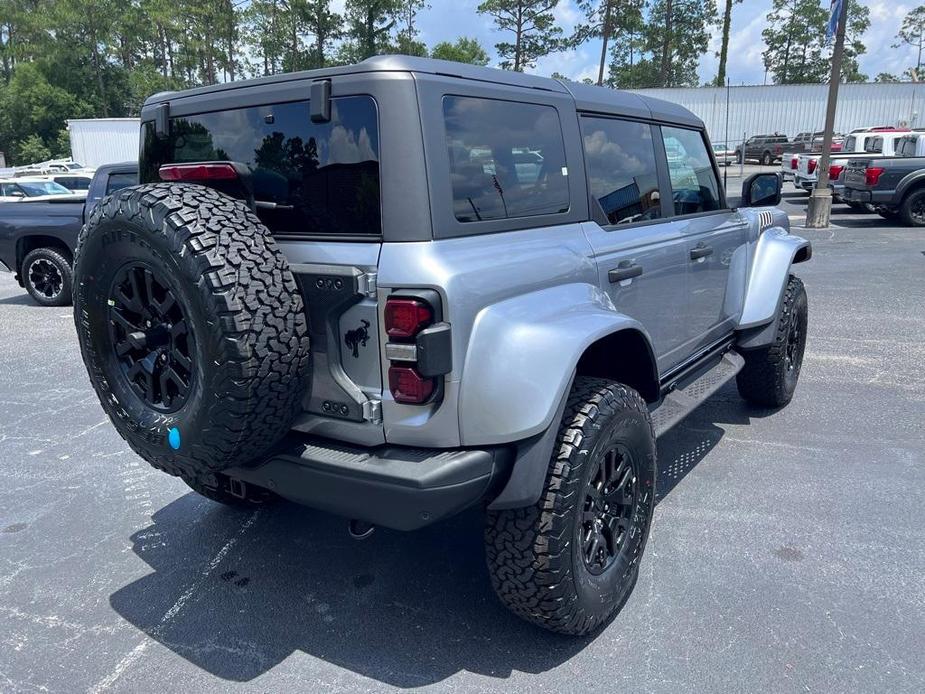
[869, 144]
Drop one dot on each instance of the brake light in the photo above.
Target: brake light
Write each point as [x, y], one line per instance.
[408, 386]
[197, 172]
[872, 175]
[794, 163]
[835, 171]
[811, 166]
[405, 318]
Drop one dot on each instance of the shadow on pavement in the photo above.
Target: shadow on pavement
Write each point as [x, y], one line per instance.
[236, 595]
[19, 300]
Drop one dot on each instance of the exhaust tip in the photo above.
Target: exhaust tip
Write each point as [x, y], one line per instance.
[360, 530]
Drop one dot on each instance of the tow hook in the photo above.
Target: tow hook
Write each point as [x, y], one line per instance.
[360, 530]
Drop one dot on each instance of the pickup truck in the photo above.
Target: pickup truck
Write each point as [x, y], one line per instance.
[863, 145]
[894, 186]
[765, 149]
[37, 238]
[805, 143]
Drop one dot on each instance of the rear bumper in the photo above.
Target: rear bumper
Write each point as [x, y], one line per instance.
[803, 182]
[392, 486]
[855, 195]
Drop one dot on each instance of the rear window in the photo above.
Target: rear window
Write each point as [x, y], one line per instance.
[118, 181]
[507, 159]
[73, 182]
[851, 142]
[319, 179]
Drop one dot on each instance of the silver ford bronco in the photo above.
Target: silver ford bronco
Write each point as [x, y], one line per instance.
[402, 288]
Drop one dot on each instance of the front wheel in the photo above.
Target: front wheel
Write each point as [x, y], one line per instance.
[769, 377]
[569, 562]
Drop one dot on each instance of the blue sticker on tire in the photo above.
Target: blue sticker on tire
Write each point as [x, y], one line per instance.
[173, 438]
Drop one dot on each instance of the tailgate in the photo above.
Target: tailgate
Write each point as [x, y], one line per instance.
[855, 173]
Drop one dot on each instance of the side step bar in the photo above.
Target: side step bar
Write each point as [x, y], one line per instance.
[679, 403]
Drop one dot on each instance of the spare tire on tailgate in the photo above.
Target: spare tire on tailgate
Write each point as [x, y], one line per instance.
[191, 327]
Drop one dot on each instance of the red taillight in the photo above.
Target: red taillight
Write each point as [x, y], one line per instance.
[835, 171]
[794, 163]
[811, 166]
[408, 386]
[197, 172]
[405, 318]
[872, 175]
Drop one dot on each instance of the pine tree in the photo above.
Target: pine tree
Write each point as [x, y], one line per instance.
[533, 26]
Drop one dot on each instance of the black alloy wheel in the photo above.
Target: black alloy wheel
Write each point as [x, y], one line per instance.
[609, 508]
[150, 337]
[45, 278]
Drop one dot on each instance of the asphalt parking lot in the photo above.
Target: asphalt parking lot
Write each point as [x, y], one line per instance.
[787, 551]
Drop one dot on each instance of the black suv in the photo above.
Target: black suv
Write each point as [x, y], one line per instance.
[765, 149]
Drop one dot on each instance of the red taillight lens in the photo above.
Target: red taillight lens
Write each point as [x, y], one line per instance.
[835, 171]
[872, 175]
[197, 172]
[408, 386]
[794, 163]
[811, 166]
[404, 318]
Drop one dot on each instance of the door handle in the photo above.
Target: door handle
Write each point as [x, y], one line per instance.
[701, 250]
[624, 271]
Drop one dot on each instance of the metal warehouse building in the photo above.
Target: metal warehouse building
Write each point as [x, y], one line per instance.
[98, 141]
[792, 109]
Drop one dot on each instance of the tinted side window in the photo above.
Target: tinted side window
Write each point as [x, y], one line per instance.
[118, 181]
[307, 178]
[507, 159]
[621, 169]
[694, 187]
[851, 143]
[874, 144]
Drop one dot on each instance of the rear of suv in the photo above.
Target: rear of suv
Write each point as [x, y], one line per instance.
[402, 288]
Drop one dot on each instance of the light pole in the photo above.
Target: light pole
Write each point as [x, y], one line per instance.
[820, 201]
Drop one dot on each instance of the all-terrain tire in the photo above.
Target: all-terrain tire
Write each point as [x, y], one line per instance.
[246, 331]
[47, 276]
[535, 554]
[769, 377]
[912, 209]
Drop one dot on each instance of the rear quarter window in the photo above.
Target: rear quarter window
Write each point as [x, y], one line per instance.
[507, 159]
[319, 179]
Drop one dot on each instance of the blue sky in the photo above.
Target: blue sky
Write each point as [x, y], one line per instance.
[448, 19]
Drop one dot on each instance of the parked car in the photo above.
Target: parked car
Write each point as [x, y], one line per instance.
[38, 236]
[894, 186]
[765, 149]
[17, 189]
[391, 324]
[723, 155]
[864, 145]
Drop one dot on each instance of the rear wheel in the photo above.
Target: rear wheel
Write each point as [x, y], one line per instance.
[769, 377]
[46, 274]
[191, 327]
[767, 159]
[569, 562]
[912, 209]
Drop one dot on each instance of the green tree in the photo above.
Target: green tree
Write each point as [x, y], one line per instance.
[607, 20]
[407, 41]
[61, 148]
[663, 47]
[796, 51]
[369, 27]
[325, 27]
[912, 33]
[31, 150]
[723, 54]
[886, 77]
[463, 50]
[533, 26]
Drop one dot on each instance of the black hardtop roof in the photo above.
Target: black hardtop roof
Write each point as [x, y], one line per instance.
[587, 97]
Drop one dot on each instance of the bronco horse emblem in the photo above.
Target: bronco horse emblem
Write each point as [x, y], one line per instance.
[357, 337]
